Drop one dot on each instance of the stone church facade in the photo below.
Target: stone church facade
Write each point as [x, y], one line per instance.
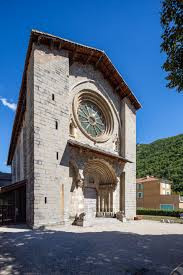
[74, 134]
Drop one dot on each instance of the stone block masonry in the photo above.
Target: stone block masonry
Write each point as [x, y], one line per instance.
[51, 71]
[70, 165]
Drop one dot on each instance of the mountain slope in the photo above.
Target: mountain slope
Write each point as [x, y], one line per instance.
[162, 158]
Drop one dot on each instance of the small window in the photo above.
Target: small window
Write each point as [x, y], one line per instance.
[181, 198]
[45, 200]
[140, 186]
[164, 185]
[57, 155]
[139, 195]
[166, 206]
[56, 125]
[53, 97]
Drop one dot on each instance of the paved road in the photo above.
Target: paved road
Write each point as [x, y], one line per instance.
[109, 247]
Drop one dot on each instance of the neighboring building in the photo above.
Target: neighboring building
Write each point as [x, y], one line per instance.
[156, 193]
[5, 179]
[74, 134]
[12, 200]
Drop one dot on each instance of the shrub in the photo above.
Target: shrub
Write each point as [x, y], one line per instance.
[159, 212]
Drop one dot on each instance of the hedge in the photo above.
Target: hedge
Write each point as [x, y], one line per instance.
[158, 212]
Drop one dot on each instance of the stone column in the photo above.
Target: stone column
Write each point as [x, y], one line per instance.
[111, 200]
[103, 201]
[80, 194]
[98, 201]
[107, 198]
[105, 209]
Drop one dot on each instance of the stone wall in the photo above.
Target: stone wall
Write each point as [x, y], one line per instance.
[128, 116]
[28, 142]
[85, 77]
[51, 157]
[18, 160]
[51, 88]
[90, 196]
[22, 162]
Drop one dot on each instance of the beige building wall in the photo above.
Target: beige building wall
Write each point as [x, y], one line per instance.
[51, 157]
[165, 188]
[151, 194]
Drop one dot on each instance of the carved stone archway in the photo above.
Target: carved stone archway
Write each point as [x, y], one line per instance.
[104, 181]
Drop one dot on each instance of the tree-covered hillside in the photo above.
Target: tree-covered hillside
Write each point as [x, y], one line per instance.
[162, 158]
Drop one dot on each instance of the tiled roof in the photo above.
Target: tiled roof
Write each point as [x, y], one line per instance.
[147, 179]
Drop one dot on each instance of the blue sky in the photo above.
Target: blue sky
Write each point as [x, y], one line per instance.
[128, 31]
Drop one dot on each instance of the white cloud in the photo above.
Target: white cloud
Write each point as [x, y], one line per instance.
[10, 105]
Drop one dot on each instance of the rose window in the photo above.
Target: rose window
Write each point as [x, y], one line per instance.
[93, 115]
[91, 118]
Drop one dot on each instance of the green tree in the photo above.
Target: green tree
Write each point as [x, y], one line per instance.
[172, 42]
[162, 158]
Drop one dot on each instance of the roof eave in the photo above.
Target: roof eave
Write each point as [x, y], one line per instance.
[98, 151]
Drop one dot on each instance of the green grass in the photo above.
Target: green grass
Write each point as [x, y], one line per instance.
[159, 218]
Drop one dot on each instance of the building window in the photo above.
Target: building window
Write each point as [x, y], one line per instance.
[53, 97]
[140, 186]
[165, 189]
[93, 115]
[166, 206]
[181, 198]
[91, 118]
[164, 185]
[56, 125]
[57, 155]
[139, 195]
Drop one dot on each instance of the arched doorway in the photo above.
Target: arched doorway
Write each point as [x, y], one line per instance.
[100, 182]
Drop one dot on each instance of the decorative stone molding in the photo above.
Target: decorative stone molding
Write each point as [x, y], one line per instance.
[78, 177]
[80, 183]
[116, 143]
[101, 103]
[72, 128]
[101, 171]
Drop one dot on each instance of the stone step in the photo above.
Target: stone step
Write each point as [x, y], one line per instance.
[100, 221]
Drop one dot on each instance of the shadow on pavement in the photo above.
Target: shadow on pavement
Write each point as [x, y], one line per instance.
[60, 252]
